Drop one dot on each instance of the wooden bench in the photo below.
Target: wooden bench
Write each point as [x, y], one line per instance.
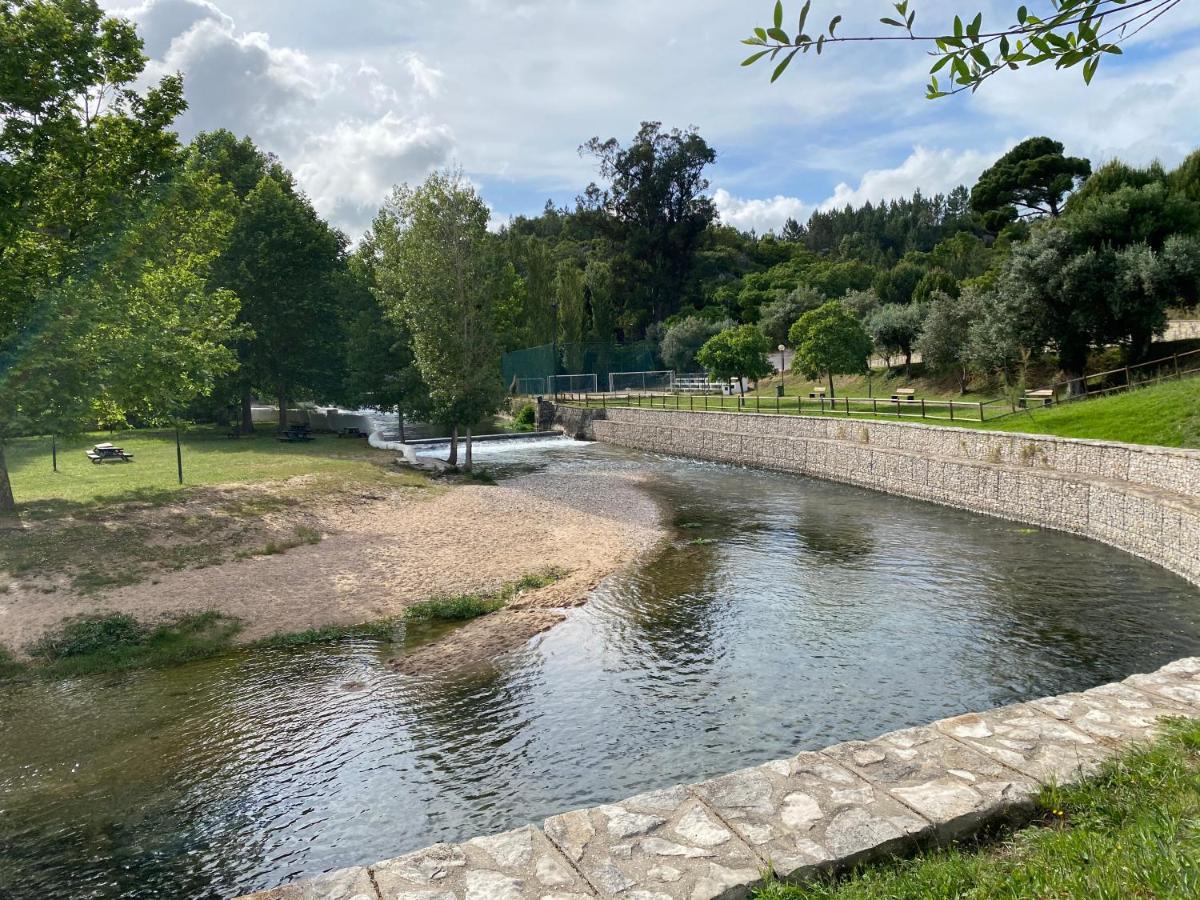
[816, 394]
[1043, 397]
[904, 394]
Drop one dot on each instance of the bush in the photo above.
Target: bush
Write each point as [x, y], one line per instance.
[526, 417]
[84, 637]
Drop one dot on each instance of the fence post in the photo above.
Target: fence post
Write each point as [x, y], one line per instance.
[1176, 365]
[706, 401]
[847, 399]
[776, 404]
[951, 409]
[691, 402]
[1128, 379]
[923, 407]
[981, 418]
[758, 403]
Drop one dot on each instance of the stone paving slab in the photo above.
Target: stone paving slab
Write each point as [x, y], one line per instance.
[1114, 712]
[1179, 681]
[517, 865]
[956, 788]
[807, 813]
[663, 845]
[346, 884]
[1031, 742]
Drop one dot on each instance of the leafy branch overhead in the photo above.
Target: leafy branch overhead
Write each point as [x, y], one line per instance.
[965, 55]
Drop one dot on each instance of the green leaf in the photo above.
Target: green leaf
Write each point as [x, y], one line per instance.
[833, 23]
[958, 27]
[1022, 14]
[779, 69]
[973, 28]
[980, 57]
[751, 60]
[1089, 69]
[803, 14]
[762, 33]
[779, 13]
[778, 34]
[939, 65]
[887, 21]
[820, 44]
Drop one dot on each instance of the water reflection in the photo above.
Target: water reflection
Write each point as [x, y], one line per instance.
[782, 614]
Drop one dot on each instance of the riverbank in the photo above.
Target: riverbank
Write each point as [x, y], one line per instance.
[305, 554]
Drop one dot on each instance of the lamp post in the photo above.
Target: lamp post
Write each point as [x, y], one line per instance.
[782, 349]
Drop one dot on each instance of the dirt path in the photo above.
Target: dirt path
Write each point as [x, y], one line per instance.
[378, 556]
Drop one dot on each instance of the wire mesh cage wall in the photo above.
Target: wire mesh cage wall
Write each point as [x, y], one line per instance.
[522, 368]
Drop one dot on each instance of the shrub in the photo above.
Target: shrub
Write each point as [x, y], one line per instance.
[526, 417]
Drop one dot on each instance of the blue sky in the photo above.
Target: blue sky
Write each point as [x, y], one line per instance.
[356, 97]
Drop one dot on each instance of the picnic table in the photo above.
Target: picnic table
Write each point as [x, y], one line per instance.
[295, 434]
[904, 394]
[108, 453]
[351, 433]
[1045, 397]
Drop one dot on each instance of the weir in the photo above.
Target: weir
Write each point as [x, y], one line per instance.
[827, 809]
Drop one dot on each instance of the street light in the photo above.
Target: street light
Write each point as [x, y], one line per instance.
[782, 348]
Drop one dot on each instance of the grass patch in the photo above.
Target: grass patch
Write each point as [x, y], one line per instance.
[463, 607]
[330, 634]
[303, 536]
[1132, 831]
[117, 643]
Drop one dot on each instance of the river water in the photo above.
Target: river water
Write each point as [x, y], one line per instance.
[783, 614]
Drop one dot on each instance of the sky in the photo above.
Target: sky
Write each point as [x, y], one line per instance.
[356, 96]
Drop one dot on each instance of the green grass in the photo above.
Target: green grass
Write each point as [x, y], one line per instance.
[384, 629]
[463, 607]
[209, 458]
[1132, 831]
[117, 643]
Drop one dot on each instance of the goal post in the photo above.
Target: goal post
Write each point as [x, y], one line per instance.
[641, 381]
[529, 387]
[573, 384]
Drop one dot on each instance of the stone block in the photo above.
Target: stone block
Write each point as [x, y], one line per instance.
[1031, 742]
[517, 865]
[1179, 682]
[345, 884]
[663, 845]
[1115, 712]
[957, 789]
[807, 813]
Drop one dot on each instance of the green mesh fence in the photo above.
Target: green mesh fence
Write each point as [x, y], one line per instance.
[528, 371]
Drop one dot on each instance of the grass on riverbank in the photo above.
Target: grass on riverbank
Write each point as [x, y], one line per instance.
[463, 607]
[1132, 831]
[209, 458]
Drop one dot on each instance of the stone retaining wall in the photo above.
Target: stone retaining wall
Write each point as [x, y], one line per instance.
[823, 810]
[1145, 500]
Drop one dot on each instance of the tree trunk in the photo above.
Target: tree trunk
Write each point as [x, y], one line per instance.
[831, 386]
[467, 461]
[908, 365]
[247, 414]
[963, 378]
[7, 504]
[452, 459]
[400, 418]
[283, 411]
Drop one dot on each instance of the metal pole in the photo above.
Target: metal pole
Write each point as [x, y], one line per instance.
[178, 454]
[54, 451]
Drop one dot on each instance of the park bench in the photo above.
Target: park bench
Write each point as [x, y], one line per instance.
[817, 393]
[351, 433]
[1038, 398]
[904, 394]
[102, 453]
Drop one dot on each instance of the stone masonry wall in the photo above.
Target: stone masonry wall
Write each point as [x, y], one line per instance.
[1145, 500]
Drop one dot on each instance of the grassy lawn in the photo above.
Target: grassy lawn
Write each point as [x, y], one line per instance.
[208, 458]
[1132, 831]
[1166, 415]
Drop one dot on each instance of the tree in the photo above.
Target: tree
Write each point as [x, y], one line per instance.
[944, 342]
[569, 289]
[895, 329]
[1078, 31]
[776, 318]
[441, 280]
[829, 341]
[106, 250]
[684, 338]
[656, 208]
[933, 282]
[1031, 179]
[897, 285]
[861, 303]
[283, 262]
[739, 352]
[602, 301]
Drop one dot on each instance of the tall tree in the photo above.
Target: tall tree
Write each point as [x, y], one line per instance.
[103, 251]
[944, 343]
[569, 291]
[441, 279]
[657, 208]
[736, 353]
[1031, 179]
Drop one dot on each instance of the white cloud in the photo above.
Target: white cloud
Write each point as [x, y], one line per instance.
[426, 78]
[931, 171]
[760, 215]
